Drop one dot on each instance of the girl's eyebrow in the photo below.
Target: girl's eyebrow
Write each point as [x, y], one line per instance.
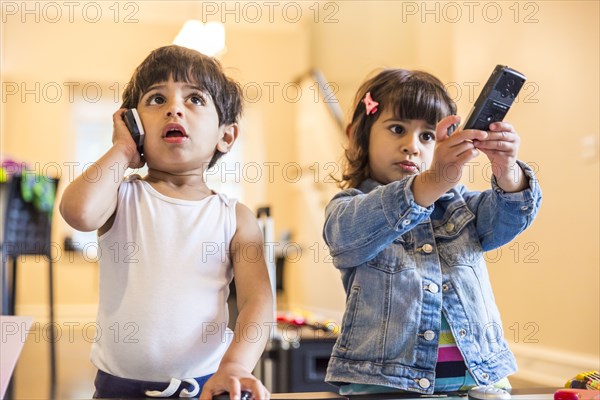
[400, 120]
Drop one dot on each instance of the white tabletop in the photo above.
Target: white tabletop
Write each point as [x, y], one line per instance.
[13, 332]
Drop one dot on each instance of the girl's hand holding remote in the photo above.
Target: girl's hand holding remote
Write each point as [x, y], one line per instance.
[450, 155]
[502, 149]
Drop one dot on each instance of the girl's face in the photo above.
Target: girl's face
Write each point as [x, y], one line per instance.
[399, 148]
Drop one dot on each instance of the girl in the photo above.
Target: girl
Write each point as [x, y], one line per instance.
[409, 242]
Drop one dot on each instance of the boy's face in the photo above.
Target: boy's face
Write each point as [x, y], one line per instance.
[399, 148]
[182, 127]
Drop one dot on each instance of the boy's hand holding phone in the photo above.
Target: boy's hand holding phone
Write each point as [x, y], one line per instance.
[123, 138]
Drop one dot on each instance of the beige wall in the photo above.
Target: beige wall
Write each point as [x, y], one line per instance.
[547, 277]
[546, 282]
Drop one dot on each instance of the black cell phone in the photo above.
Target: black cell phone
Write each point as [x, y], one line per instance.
[134, 124]
[495, 99]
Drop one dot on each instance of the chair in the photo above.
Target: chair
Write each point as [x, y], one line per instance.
[26, 231]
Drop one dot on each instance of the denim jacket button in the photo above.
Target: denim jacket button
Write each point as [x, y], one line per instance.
[427, 248]
[433, 288]
[462, 333]
[406, 222]
[445, 287]
[424, 383]
[485, 376]
[524, 208]
[449, 227]
[429, 335]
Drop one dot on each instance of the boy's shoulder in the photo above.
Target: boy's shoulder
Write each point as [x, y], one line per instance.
[248, 222]
[242, 211]
[129, 184]
[131, 180]
[230, 202]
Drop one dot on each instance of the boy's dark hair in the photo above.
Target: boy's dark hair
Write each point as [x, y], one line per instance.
[187, 65]
[410, 94]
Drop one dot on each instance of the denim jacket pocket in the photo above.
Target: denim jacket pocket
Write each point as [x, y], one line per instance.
[457, 238]
[397, 256]
[350, 317]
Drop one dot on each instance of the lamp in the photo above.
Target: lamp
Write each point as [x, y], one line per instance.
[206, 38]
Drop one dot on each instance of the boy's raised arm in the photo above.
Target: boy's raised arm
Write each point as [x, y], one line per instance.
[89, 201]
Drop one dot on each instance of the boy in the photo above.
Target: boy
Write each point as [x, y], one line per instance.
[162, 314]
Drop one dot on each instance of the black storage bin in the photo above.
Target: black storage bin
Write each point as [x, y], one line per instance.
[296, 360]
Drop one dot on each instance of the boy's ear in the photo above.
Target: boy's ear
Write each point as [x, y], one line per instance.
[230, 134]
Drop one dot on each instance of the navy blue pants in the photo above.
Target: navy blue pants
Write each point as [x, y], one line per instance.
[110, 386]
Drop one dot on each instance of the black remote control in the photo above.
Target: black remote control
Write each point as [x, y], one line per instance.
[495, 99]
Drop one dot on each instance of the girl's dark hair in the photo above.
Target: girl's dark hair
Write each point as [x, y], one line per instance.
[410, 94]
[187, 65]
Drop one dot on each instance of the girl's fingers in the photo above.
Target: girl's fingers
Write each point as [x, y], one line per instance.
[462, 147]
[441, 129]
[500, 145]
[501, 126]
[468, 136]
[502, 135]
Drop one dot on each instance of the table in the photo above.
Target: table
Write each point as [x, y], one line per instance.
[517, 394]
[13, 330]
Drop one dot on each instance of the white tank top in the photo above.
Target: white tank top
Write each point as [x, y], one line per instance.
[164, 281]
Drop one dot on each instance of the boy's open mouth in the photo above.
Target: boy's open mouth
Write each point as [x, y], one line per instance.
[174, 133]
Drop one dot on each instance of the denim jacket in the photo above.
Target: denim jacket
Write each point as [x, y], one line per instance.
[403, 264]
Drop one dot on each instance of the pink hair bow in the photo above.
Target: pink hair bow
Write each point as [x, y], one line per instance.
[370, 104]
